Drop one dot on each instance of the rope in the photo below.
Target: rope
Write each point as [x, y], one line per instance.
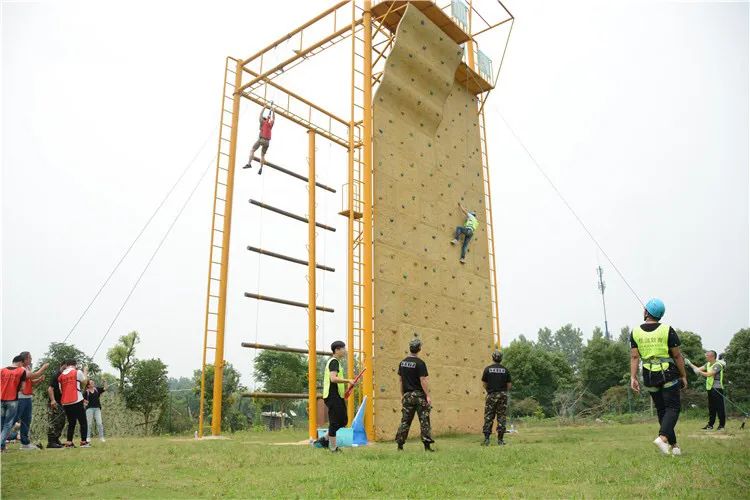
[143, 230]
[153, 255]
[570, 208]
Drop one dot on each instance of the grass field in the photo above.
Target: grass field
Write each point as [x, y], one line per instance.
[541, 460]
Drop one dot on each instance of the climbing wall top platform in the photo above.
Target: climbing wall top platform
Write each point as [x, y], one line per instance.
[391, 13]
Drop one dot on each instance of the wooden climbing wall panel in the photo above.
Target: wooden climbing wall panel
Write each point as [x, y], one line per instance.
[426, 158]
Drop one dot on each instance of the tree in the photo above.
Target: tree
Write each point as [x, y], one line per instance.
[59, 352]
[603, 364]
[536, 372]
[737, 357]
[230, 392]
[569, 341]
[598, 333]
[122, 356]
[544, 338]
[624, 336]
[148, 389]
[281, 371]
[691, 346]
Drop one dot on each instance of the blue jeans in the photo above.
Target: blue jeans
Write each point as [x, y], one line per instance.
[468, 233]
[24, 415]
[7, 419]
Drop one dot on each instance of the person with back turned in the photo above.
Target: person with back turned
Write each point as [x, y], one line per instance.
[497, 382]
[415, 396]
[658, 347]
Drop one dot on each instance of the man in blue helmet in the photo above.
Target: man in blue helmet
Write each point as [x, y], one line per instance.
[657, 346]
[468, 229]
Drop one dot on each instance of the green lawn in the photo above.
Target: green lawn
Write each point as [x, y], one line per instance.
[541, 460]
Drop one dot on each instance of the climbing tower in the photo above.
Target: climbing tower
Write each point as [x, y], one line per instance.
[415, 137]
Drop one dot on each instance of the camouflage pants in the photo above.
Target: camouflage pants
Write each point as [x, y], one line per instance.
[55, 423]
[496, 404]
[414, 402]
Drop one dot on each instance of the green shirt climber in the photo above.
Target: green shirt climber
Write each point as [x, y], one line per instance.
[467, 230]
[713, 371]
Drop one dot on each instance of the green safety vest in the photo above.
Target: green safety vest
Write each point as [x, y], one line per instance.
[710, 380]
[471, 222]
[653, 347]
[327, 379]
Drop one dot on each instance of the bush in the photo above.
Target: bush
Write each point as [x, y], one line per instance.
[528, 407]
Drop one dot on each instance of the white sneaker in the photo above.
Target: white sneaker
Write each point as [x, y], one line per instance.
[103, 440]
[29, 447]
[663, 447]
[676, 451]
[453, 242]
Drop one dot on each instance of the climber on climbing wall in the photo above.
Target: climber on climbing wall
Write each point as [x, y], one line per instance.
[468, 230]
[415, 396]
[264, 138]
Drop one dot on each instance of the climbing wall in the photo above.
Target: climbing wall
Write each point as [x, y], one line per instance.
[426, 159]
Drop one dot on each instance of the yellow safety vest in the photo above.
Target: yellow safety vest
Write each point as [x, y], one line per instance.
[653, 347]
[471, 222]
[327, 379]
[710, 380]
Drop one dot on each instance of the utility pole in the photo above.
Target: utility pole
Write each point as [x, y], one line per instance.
[602, 286]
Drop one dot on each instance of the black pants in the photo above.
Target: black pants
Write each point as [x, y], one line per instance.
[716, 406]
[337, 417]
[76, 412]
[667, 402]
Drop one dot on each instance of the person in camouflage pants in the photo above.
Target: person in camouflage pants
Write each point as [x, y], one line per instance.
[497, 383]
[415, 396]
[496, 405]
[414, 402]
[55, 414]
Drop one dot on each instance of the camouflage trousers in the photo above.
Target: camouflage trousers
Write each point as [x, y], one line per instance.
[414, 402]
[55, 423]
[496, 405]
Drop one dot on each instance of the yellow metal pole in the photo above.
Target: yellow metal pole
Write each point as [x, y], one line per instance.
[312, 404]
[221, 322]
[350, 237]
[470, 43]
[489, 210]
[367, 317]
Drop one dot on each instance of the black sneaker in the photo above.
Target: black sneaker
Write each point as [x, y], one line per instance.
[249, 165]
[54, 445]
[707, 428]
[260, 171]
[500, 442]
[720, 428]
[400, 446]
[336, 450]
[486, 442]
[427, 447]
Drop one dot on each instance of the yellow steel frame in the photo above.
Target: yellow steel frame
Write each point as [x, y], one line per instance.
[368, 36]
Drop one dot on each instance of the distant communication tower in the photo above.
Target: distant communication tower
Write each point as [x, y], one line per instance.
[602, 286]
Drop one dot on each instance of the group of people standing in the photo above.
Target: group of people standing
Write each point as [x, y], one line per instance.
[415, 396]
[73, 397]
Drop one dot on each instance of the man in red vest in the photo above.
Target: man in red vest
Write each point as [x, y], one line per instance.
[71, 382]
[25, 398]
[11, 379]
[264, 138]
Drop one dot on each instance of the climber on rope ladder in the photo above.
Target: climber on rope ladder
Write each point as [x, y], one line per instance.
[264, 137]
[468, 230]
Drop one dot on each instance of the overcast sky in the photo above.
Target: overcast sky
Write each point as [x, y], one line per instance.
[638, 112]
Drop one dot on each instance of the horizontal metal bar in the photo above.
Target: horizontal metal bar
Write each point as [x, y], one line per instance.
[284, 301]
[281, 348]
[276, 395]
[287, 258]
[290, 215]
[293, 174]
